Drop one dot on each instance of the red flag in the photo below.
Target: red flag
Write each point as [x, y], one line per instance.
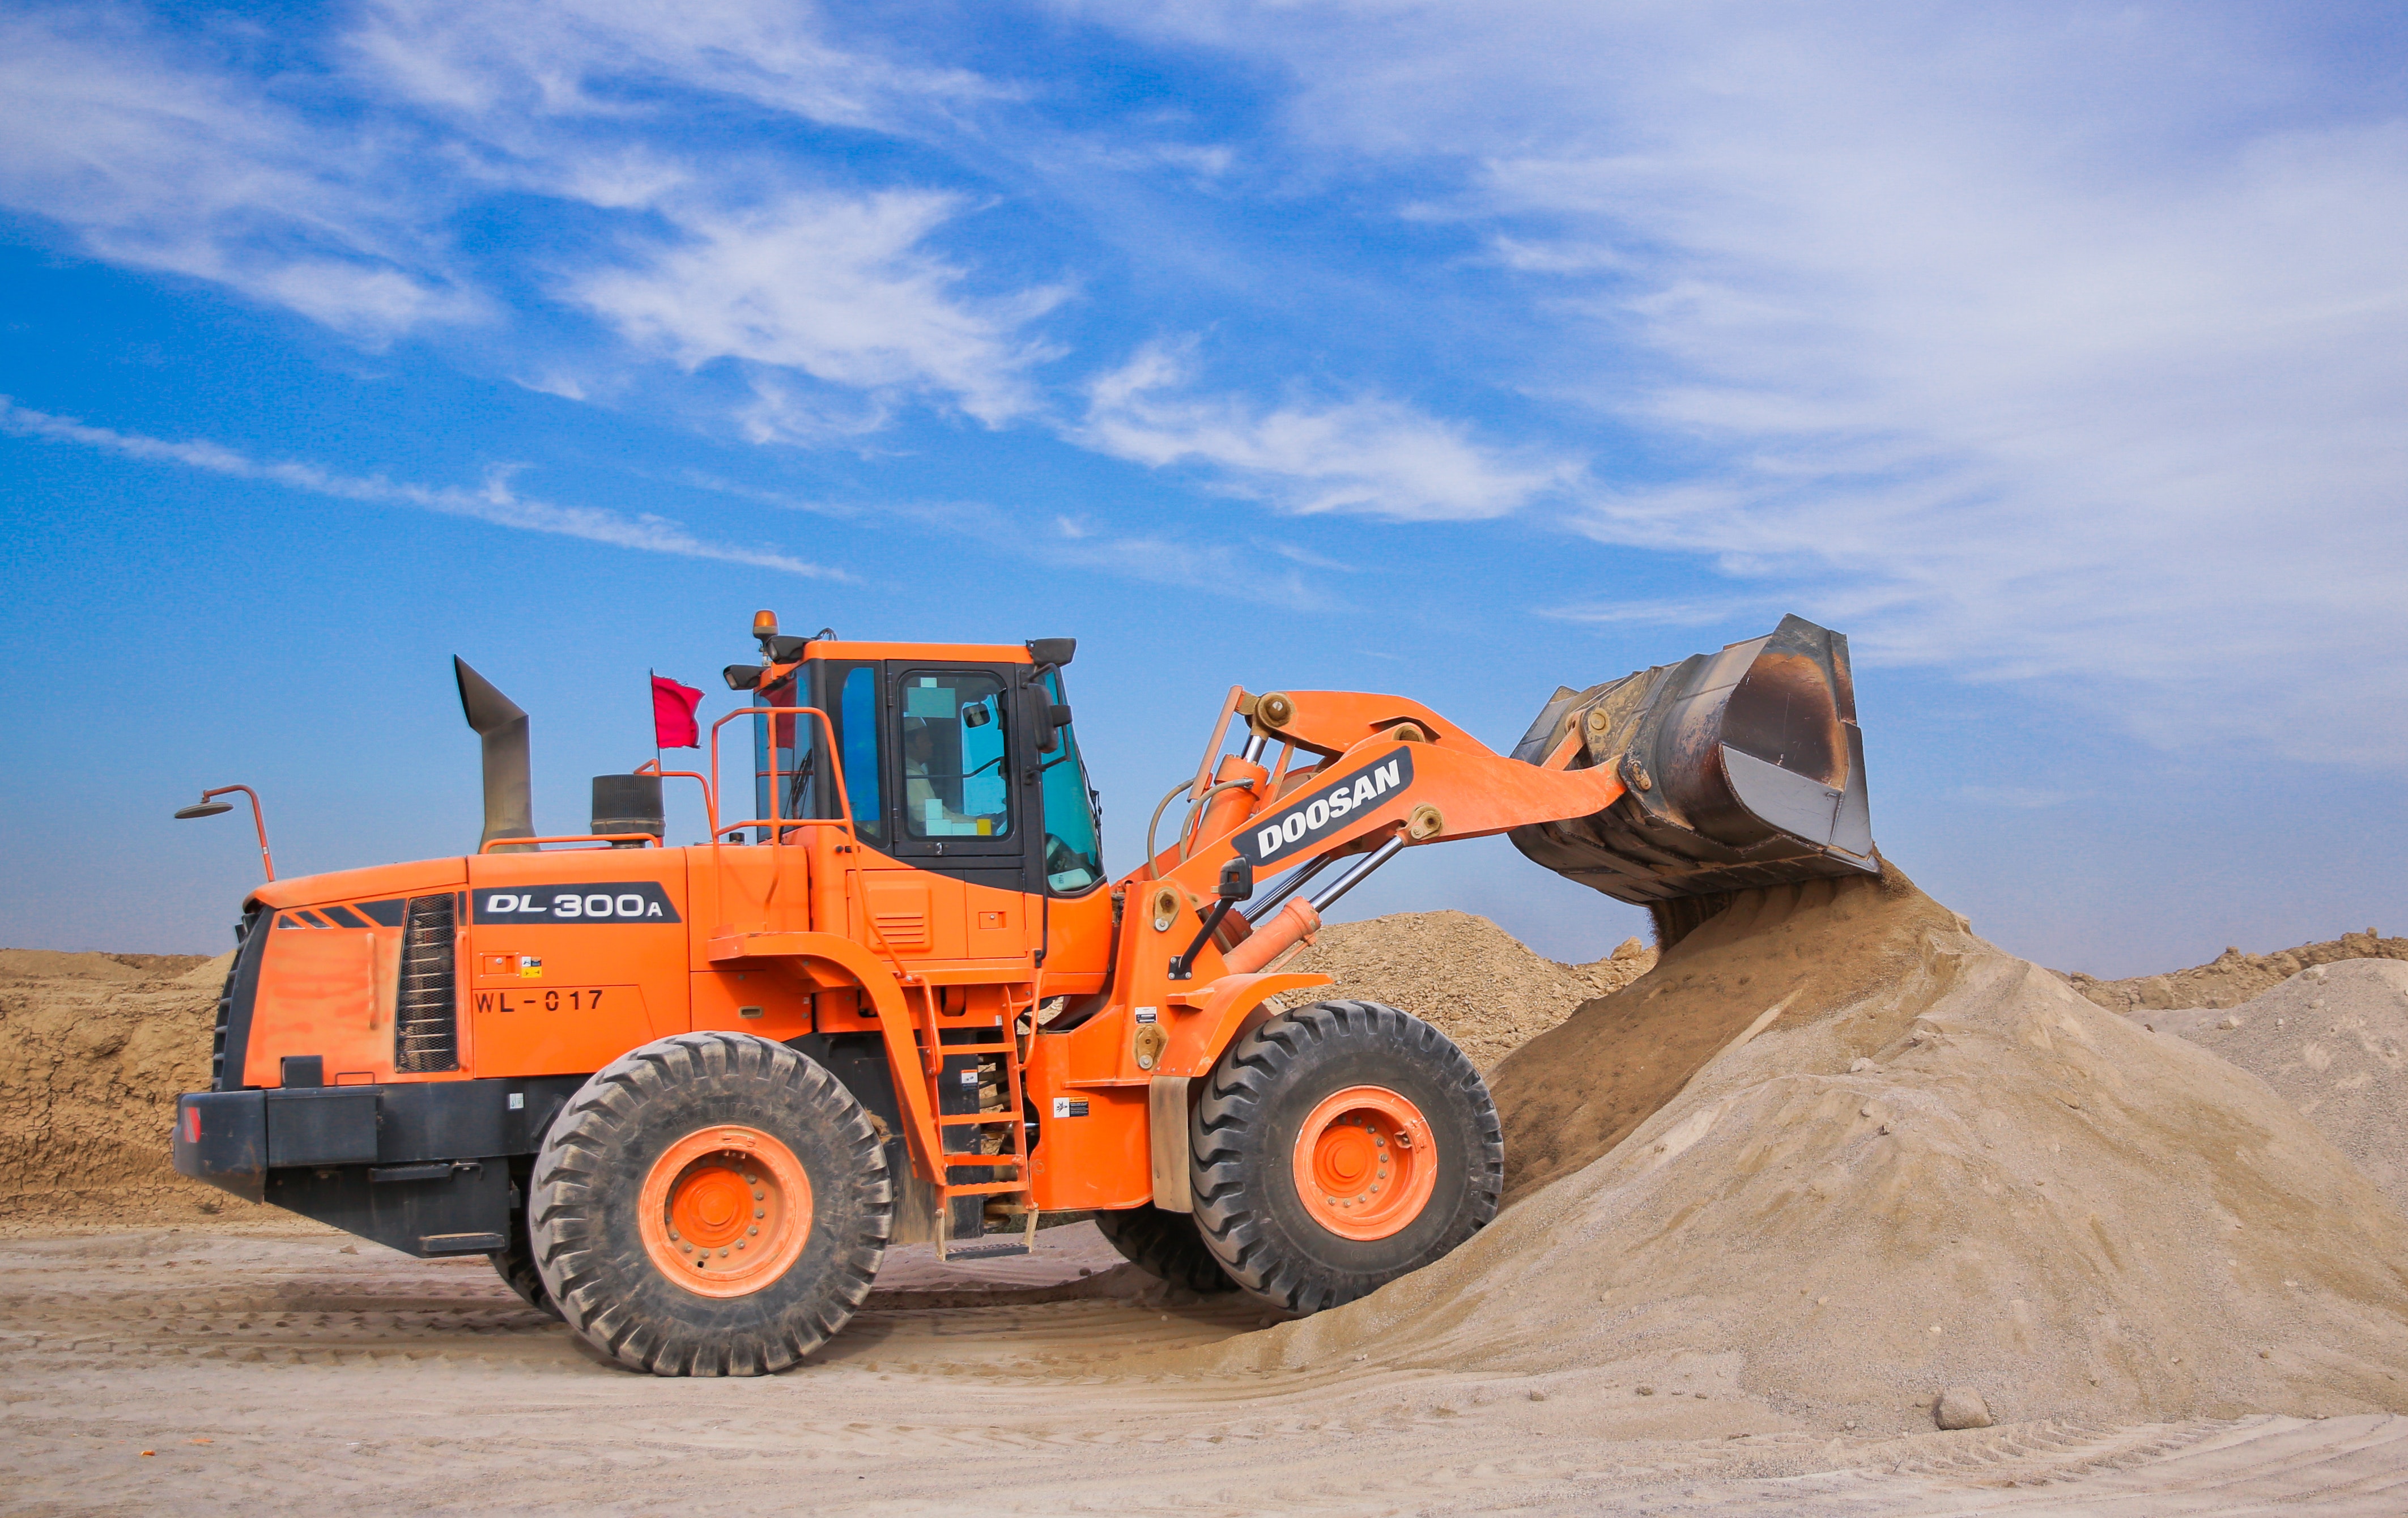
[673, 724]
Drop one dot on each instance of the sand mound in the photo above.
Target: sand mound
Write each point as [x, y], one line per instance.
[2232, 977]
[1487, 989]
[93, 1050]
[125, 969]
[1937, 1166]
[1573, 1094]
[2334, 1041]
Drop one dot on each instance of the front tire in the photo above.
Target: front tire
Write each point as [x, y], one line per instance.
[711, 1204]
[1337, 1147]
[1167, 1246]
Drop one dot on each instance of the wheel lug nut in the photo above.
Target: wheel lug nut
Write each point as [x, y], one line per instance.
[759, 1212]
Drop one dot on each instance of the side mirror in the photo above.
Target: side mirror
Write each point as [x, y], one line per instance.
[1057, 715]
[1052, 650]
[1237, 880]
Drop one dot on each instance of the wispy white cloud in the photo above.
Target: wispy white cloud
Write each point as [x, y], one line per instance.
[158, 154]
[2037, 341]
[157, 159]
[1168, 557]
[1691, 611]
[836, 287]
[494, 501]
[1368, 455]
[531, 59]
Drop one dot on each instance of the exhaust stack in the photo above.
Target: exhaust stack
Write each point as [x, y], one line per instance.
[510, 791]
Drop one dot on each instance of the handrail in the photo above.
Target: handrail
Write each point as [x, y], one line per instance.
[612, 839]
[843, 822]
[777, 825]
[836, 766]
[709, 801]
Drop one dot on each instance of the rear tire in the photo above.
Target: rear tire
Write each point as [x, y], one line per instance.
[1164, 1245]
[1349, 1085]
[516, 1267]
[712, 1138]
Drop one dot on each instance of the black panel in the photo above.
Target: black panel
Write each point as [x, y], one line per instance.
[393, 1175]
[465, 1212]
[300, 1070]
[858, 1061]
[333, 1125]
[407, 1134]
[222, 1137]
[235, 1002]
[382, 913]
[470, 1119]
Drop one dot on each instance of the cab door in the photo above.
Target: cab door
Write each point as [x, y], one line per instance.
[961, 815]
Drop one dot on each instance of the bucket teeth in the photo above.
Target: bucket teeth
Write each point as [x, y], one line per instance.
[1743, 768]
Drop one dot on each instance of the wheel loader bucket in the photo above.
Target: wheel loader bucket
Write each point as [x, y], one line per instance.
[1744, 769]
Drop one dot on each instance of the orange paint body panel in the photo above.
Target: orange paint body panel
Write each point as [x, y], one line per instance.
[332, 996]
[600, 960]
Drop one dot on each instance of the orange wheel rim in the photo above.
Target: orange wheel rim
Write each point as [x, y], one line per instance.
[725, 1212]
[1366, 1163]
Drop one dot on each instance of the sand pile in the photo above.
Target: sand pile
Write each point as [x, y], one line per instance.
[1487, 989]
[2232, 977]
[2334, 1041]
[93, 1050]
[1935, 1166]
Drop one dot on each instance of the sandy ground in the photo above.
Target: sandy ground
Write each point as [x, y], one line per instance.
[280, 1370]
[263, 1363]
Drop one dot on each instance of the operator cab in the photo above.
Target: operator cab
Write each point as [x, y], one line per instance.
[960, 760]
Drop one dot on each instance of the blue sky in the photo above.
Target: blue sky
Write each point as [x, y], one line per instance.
[2056, 353]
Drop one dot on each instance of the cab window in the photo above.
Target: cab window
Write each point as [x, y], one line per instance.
[782, 759]
[855, 716]
[1073, 850]
[956, 783]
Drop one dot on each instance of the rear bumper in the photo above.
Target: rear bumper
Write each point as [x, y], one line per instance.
[222, 1137]
[423, 1166]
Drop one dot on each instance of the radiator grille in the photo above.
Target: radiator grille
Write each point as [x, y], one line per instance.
[427, 1017]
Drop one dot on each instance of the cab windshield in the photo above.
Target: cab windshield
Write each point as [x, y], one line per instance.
[1074, 860]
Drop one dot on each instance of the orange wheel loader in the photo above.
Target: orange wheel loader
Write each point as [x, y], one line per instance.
[686, 1097]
